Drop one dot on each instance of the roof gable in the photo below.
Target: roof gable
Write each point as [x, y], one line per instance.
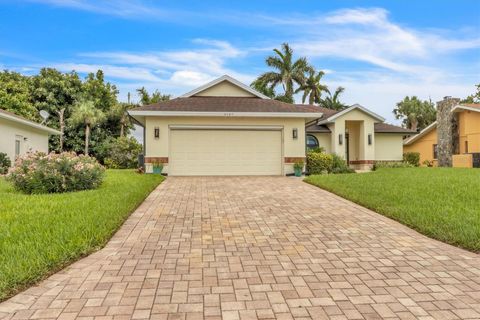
[422, 133]
[225, 86]
[336, 115]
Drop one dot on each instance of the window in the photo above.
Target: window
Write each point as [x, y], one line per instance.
[435, 151]
[466, 146]
[312, 142]
[17, 148]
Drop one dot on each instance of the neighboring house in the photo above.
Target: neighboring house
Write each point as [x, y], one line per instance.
[227, 128]
[19, 135]
[457, 140]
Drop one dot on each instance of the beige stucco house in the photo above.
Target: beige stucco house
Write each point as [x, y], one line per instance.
[227, 128]
[19, 135]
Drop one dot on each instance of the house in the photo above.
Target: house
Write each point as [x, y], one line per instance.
[227, 128]
[452, 140]
[19, 135]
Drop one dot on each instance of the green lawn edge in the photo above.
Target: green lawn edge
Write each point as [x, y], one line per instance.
[42, 234]
[442, 206]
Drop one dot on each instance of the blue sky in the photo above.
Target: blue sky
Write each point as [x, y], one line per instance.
[380, 51]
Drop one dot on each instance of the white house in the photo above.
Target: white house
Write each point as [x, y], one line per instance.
[19, 135]
[227, 128]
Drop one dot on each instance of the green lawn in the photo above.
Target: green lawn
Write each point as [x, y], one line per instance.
[40, 234]
[442, 203]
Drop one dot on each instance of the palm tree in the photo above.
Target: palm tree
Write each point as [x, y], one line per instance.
[119, 111]
[312, 88]
[85, 113]
[332, 102]
[287, 72]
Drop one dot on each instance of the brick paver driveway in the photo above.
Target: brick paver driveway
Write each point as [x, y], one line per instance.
[266, 248]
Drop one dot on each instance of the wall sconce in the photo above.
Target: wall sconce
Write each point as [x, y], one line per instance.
[340, 139]
[295, 133]
[156, 132]
[369, 139]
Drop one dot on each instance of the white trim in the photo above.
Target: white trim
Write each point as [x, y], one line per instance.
[427, 129]
[224, 78]
[28, 123]
[345, 111]
[226, 114]
[465, 108]
[214, 127]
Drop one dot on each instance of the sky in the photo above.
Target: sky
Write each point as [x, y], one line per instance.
[379, 51]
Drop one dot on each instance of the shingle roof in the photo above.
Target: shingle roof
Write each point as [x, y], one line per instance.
[228, 104]
[389, 128]
[326, 112]
[379, 128]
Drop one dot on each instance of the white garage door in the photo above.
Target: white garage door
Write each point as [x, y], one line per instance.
[225, 152]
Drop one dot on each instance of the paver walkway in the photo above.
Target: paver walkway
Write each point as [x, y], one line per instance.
[266, 248]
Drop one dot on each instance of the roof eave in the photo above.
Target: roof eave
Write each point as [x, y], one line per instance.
[29, 123]
[224, 114]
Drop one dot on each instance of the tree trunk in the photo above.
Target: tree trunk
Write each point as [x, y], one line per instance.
[122, 125]
[121, 130]
[87, 138]
[413, 124]
[311, 98]
[61, 113]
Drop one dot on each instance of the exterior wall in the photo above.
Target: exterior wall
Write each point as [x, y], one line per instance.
[462, 160]
[293, 149]
[36, 140]
[324, 140]
[469, 130]
[424, 146]
[388, 147]
[224, 89]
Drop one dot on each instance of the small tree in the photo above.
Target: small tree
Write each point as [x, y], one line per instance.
[416, 114]
[332, 101]
[155, 97]
[86, 114]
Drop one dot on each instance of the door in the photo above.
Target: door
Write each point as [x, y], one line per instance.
[225, 152]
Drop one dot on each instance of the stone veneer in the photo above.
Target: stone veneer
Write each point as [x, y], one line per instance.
[447, 131]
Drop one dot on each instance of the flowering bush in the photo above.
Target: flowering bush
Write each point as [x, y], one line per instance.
[50, 173]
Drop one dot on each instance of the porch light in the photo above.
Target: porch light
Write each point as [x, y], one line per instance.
[295, 133]
[156, 132]
[369, 139]
[340, 139]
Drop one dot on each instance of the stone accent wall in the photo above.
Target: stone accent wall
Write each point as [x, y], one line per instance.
[447, 130]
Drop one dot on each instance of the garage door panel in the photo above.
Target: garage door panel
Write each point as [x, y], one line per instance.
[225, 152]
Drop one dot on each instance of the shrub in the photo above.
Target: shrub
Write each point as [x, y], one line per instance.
[428, 163]
[412, 157]
[319, 162]
[389, 164]
[339, 165]
[298, 165]
[41, 173]
[317, 150]
[122, 153]
[5, 163]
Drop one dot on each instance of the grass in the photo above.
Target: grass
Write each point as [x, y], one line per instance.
[40, 234]
[442, 203]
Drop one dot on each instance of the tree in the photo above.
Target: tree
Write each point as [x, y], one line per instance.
[312, 88]
[332, 101]
[56, 93]
[155, 97]
[263, 88]
[287, 72]
[415, 114]
[473, 98]
[15, 95]
[120, 111]
[86, 114]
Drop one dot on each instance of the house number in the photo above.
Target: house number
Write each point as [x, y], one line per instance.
[228, 114]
